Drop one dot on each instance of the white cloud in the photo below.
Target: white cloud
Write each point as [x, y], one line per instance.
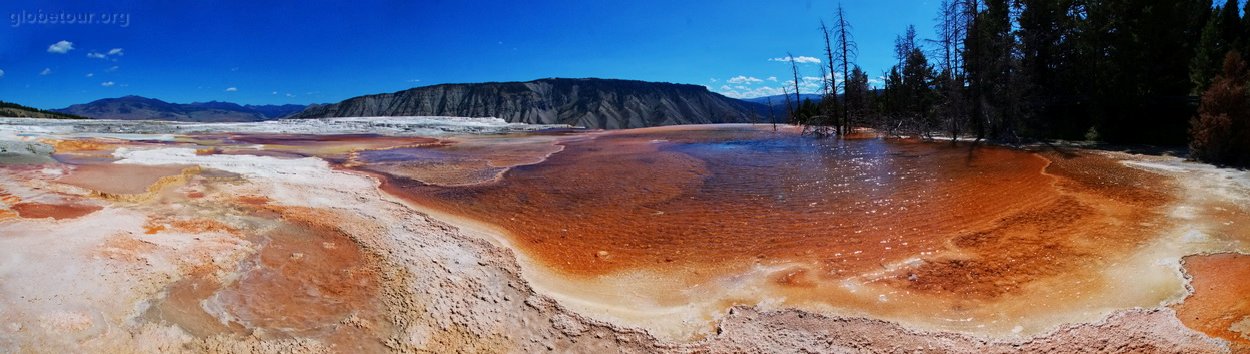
[802, 59]
[107, 84]
[748, 89]
[752, 92]
[45, 71]
[1, 73]
[61, 47]
[90, 74]
[112, 68]
[232, 89]
[115, 52]
[273, 93]
[712, 80]
[290, 95]
[740, 79]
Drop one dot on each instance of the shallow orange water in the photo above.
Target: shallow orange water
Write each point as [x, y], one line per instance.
[119, 179]
[684, 222]
[308, 278]
[1220, 304]
[55, 211]
[984, 220]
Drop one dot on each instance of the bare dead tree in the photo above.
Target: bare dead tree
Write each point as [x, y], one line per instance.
[825, 84]
[831, 87]
[800, 117]
[976, 99]
[846, 58]
[772, 117]
[828, 50]
[794, 67]
[790, 108]
[952, 27]
[904, 44]
[827, 106]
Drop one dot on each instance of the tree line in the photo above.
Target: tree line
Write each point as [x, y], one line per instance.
[16, 110]
[1116, 71]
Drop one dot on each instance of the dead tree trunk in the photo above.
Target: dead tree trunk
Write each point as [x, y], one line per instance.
[847, 45]
[772, 117]
[794, 67]
[832, 92]
[790, 108]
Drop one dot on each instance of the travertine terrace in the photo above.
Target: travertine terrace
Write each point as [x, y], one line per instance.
[314, 236]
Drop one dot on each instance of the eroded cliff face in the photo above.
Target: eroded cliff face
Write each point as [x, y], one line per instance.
[591, 103]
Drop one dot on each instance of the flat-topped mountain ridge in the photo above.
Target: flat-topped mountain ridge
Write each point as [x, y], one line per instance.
[591, 103]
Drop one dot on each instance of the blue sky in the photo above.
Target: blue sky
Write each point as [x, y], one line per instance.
[271, 52]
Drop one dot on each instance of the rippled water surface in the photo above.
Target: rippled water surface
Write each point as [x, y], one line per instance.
[963, 237]
[718, 196]
[667, 228]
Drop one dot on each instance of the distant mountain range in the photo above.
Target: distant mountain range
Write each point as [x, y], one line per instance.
[780, 100]
[591, 103]
[137, 107]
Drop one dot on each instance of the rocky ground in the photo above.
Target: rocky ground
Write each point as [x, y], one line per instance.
[250, 254]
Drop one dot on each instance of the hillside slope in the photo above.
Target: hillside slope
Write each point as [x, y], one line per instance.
[591, 103]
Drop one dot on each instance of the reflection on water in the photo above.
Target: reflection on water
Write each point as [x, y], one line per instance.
[714, 197]
[467, 161]
[667, 228]
[684, 222]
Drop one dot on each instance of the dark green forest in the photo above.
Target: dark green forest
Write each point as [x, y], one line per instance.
[1114, 71]
[13, 109]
